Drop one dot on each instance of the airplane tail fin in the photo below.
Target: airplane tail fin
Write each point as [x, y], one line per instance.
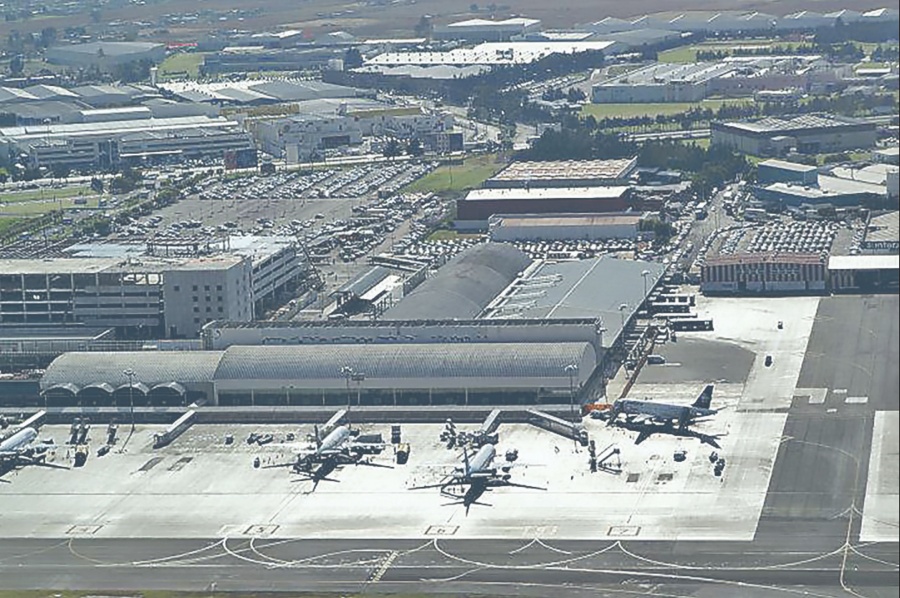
[705, 398]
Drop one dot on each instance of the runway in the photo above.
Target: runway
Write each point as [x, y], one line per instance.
[806, 542]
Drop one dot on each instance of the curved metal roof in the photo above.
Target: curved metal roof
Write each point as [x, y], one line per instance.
[137, 386]
[173, 386]
[464, 286]
[149, 367]
[414, 361]
[66, 387]
[107, 388]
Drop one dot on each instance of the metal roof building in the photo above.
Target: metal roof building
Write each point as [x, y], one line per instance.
[563, 173]
[160, 377]
[481, 365]
[480, 204]
[807, 133]
[605, 288]
[465, 286]
[484, 373]
[104, 53]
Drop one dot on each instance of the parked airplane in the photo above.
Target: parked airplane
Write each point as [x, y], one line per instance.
[665, 413]
[336, 448]
[480, 474]
[21, 449]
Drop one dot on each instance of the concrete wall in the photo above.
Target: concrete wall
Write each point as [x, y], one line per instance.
[204, 295]
[483, 209]
[553, 232]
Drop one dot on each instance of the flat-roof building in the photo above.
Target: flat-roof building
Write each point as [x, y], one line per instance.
[864, 272]
[559, 227]
[779, 171]
[104, 54]
[480, 204]
[806, 133]
[882, 234]
[140, 291]
[734, 76]
[766, 272]
[108, 143]
[827, 190]
[489, 54]
[486, 30]
[888, 155]
[563, 173]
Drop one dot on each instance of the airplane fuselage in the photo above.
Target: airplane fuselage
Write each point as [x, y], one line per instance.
[18, 442]
[334, 440]
[661, 411]
[481, 461]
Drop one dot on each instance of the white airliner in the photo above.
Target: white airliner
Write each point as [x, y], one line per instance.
[338, 447]
[22, 449]
[665, 413]
[480, 474]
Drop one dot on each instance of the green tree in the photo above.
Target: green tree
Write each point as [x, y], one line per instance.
[17, 65]
[392, 148]
[414, 147]
[424, 27]
[48, 36]
[352, 59]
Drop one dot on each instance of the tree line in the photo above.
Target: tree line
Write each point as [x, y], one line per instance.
[584, 140]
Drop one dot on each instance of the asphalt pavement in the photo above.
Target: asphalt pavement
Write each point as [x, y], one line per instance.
[807, 541]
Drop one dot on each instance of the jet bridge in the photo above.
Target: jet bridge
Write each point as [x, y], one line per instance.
[35, 421]
[336, 420]
[551, 423]
[175, 430]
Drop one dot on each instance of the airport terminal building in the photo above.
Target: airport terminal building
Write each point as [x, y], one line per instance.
[491, 327]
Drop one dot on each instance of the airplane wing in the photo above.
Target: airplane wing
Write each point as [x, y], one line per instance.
[45, 464]
[373, 464]
[643, 435]
[427, 486]
[517, 485]
[295, 447]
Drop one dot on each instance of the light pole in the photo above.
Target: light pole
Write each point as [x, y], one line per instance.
[130, 373]
[571, 370]
[358, 377]
[347, 373]
[622, 309]
[644, 275]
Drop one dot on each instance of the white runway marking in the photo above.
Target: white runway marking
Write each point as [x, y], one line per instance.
[881, 511]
